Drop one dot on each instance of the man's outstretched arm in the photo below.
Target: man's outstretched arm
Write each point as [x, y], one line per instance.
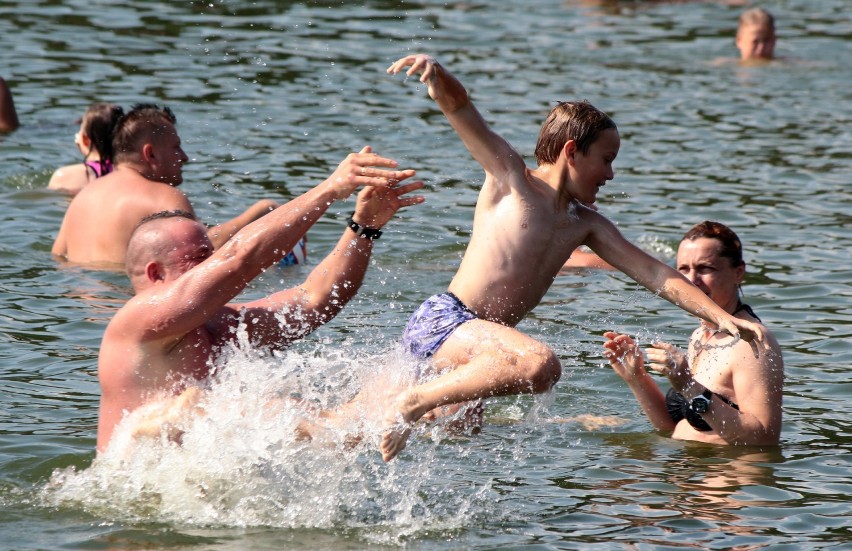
[293, 313]
[192, 299]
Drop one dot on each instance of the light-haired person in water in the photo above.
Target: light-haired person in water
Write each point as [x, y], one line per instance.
[756, 35]
[161, 346]
[720, 392]
[94, 141]
[8, 114]
[526, 224]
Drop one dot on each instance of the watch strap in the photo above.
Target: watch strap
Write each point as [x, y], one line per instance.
[362, 231]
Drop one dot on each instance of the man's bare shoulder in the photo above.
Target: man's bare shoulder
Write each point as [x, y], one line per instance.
[130, 320]
[132, 193]
[141, 323]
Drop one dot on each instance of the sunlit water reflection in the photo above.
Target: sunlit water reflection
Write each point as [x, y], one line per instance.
[270, 96]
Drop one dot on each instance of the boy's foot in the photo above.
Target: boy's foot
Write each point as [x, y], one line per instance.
[396, 425]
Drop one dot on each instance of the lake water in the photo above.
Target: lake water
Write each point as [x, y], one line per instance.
[270, 96]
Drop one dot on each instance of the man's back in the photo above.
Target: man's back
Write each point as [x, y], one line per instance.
[100, 219]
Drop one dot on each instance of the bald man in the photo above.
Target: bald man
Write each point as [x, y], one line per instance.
[167, 337]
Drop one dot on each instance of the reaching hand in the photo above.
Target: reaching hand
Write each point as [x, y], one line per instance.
[669, 360]
[377, 204]
[422, 63]
[360, 169]
[623, 355]
[749, 331]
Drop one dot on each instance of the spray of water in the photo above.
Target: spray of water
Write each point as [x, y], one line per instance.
[243, 458]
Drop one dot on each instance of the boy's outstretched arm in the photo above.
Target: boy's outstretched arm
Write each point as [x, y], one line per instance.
[490, 150]
[663, 280]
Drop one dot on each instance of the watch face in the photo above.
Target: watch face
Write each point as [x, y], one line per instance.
[700, 404]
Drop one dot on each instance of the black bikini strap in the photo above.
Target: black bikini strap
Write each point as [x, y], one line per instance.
[747, 309]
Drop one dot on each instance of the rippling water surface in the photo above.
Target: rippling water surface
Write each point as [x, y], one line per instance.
[270, 96]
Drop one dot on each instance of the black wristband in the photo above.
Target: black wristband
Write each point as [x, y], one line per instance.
[370, 233]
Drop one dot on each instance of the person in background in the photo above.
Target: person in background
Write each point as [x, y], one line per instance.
[720, 392]
[756, 35]
[148, 160]
[8, 115]
[94, 141]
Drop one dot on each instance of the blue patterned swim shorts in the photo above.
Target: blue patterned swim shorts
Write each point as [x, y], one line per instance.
[433, 322]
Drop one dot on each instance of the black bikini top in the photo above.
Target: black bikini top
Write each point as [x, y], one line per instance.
[679, 407]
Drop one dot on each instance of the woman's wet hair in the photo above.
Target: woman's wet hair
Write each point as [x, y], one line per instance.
[732, 248]
[570, 120]
[99, 123]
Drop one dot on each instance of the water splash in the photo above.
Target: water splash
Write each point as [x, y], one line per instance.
[243, 463]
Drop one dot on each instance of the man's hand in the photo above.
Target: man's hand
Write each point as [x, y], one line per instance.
[750, 332]
[361, 169]
[377, 204]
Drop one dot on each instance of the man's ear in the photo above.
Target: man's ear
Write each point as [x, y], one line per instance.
[154, 272]
[148, 153]
[569, 150]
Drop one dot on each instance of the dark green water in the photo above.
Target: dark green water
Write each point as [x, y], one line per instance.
[270, 96]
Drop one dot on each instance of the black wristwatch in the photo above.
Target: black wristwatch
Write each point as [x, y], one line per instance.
[362, 231]
[701, 403]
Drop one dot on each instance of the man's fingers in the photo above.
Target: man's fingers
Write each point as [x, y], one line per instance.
[754, 349]
[383, 178]
[408, 201]
[408, 188]
[398, 64]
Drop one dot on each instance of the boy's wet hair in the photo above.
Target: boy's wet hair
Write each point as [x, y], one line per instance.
[732, 248]
[99, 123]
[142, 121]
[570, 120]
[758, 17]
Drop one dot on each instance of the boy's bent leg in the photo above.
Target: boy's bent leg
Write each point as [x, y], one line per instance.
[479, 360]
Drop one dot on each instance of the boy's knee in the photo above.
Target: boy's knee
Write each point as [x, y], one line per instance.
[546, 370]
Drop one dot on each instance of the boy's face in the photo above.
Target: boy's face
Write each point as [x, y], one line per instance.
[593, 169]
[755, 42]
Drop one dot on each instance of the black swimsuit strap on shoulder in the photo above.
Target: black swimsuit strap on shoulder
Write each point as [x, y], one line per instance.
[741, 307]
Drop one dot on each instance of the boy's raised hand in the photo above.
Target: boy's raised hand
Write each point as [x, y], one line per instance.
[424, 64]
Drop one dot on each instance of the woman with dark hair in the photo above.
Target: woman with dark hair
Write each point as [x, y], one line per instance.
[721, 393]
[94, 140]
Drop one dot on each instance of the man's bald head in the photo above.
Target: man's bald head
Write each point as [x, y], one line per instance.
[162, 238]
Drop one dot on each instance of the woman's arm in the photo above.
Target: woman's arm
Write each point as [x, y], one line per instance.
[626, 360]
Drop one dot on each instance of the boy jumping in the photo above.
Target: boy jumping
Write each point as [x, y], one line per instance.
[526, 224]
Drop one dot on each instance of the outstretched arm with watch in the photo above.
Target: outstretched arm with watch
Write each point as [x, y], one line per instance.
[337, 278]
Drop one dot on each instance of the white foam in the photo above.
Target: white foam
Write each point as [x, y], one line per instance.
[242, 463]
